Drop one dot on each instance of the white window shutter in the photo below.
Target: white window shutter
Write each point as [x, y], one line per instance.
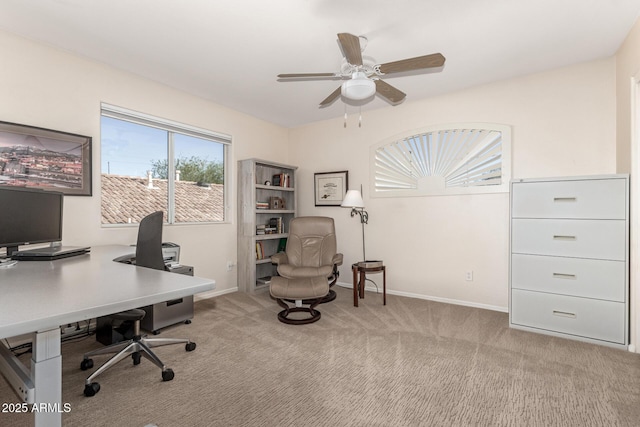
[447, 159]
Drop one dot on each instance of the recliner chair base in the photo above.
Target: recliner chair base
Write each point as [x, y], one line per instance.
[309, 291]
[283, 316]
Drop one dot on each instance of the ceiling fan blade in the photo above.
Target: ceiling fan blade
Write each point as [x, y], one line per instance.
[351, 48]
[329, 99]
[306, 75]
[389, 92]
[427, 61]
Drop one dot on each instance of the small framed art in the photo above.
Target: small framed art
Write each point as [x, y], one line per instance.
[331, 187]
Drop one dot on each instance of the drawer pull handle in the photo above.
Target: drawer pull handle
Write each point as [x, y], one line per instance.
[560, 237]
[565, 199]
[564, 276]
[564, 314]
[174, 302]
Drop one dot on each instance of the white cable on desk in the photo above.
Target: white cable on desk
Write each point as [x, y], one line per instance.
[6, 263]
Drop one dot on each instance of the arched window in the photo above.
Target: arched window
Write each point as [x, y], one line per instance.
[463, 158]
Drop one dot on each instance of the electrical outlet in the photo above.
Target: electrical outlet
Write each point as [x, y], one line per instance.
[230, 265]
[469, 276]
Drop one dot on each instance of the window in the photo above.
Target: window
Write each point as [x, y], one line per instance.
[151, 164]
[452, 159]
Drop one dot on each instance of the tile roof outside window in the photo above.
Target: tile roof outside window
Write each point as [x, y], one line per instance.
[128, 199]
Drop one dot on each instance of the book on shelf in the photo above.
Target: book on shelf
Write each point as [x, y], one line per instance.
[277, 224]
[260, 229]
[281, 180]
[259, 250]
[262, 205]
[282, 244]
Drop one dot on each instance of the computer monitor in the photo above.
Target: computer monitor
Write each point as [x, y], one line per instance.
[29, 216]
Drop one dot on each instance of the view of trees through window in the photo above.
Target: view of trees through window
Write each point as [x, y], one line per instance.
[192, 168]
[146, 168]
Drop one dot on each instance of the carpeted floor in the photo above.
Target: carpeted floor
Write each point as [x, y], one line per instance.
[410, 363]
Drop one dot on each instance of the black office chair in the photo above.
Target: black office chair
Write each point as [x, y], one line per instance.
[148, 254]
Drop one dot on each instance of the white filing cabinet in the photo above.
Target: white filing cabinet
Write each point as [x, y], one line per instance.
[569, 267]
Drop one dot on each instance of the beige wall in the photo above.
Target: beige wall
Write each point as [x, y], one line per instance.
[628, 145]
[627, 67]
[563, 123]
[50, 88]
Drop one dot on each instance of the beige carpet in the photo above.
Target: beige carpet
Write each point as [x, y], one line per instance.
[411, 363]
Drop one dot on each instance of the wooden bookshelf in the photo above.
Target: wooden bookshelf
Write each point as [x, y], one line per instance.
[258, 203]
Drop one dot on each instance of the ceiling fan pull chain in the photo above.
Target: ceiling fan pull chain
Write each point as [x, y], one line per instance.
[360, 118]
[345, 115]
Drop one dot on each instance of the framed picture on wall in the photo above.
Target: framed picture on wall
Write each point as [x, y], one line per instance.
[331, 187]
[46, 159]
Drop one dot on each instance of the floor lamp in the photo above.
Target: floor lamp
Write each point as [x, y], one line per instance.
[353, 200]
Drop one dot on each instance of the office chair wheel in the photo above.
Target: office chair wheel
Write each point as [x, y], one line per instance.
[190, 346]
[91, 389]
[167, 375]
[136, 357]
[86, 364]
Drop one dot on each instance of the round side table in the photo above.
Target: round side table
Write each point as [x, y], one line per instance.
[360, 271]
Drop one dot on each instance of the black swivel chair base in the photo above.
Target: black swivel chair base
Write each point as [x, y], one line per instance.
[138, 347]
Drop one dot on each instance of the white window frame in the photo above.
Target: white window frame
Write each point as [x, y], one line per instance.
[120, 113]
[394, 150]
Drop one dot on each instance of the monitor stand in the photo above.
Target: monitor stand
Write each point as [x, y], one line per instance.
[11, 250]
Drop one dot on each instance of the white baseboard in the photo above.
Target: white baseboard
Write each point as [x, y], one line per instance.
[214, 293]
[430, 298]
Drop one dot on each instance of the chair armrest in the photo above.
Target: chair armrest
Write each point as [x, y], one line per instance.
[337, 259]
[279, 258]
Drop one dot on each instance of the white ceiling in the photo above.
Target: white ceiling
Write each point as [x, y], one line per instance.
[231, 51]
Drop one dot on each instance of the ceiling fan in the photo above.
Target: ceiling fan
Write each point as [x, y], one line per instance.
[364, 80]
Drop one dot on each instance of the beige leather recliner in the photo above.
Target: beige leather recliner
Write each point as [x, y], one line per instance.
[308, 264]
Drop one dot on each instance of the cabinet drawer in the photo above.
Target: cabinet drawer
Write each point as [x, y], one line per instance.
[600, 239]
[586, 199]
[583, 317]
[593, 278]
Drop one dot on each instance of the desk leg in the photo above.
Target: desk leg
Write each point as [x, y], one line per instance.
[354, 271]
[46, 374]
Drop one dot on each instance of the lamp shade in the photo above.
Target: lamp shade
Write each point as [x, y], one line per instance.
[359, 87]
[353, 199]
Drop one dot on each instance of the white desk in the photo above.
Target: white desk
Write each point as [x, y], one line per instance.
[39, 296]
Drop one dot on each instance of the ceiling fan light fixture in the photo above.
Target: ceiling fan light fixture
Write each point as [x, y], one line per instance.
[359, 87]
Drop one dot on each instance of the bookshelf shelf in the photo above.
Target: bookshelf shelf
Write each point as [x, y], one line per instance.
[272, 236]
[274, 188]
[274, 211]
[277, 207]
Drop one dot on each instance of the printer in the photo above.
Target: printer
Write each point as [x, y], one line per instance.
[170, 253]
